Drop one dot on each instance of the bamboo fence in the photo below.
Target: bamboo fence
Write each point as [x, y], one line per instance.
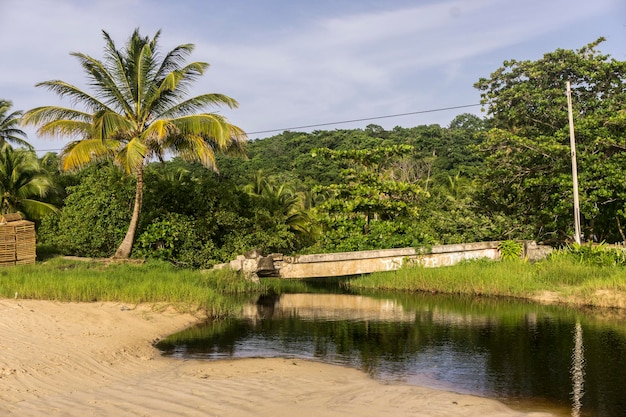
[17, 240]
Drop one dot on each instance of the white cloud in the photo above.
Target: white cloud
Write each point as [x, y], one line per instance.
[349, 65]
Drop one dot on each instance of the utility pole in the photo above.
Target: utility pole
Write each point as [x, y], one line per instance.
[572, 141]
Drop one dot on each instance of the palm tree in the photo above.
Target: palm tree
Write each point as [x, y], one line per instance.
[23, 182]
[283, 202]
[137, 111]
[9, 122]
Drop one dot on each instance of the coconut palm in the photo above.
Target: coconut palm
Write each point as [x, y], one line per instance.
[9, 122]
[23, 182]
[137, 110]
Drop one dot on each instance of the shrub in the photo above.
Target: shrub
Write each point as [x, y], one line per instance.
[95, 216]
[510, 250]
[594, 254]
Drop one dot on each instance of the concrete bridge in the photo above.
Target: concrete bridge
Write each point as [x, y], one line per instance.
[255, 265]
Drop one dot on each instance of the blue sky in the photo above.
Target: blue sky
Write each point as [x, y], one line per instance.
[295, 63]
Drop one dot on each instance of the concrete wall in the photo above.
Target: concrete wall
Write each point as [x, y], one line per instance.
[365, 262]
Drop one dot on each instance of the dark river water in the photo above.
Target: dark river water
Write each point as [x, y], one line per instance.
[536, 357]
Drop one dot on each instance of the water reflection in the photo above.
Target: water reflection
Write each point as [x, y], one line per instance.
[327, 307]
[578, 371]
[509, 350]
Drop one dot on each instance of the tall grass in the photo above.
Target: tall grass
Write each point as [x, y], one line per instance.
[474, 278]
[215, 292]
[564, 276]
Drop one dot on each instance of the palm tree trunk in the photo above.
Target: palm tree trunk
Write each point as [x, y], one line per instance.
[123, 252]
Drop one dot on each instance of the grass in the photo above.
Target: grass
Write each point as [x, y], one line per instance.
[218, 293]
[585, 276]
[563, 278]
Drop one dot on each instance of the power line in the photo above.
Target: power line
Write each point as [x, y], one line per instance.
[364, 119]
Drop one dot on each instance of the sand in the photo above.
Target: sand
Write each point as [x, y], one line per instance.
[97, 359]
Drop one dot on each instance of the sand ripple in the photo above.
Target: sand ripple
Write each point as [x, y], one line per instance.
[61, 359]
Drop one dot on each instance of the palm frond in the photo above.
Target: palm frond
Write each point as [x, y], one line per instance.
[116, 66]
[132, 156]
[80, 153]
[209, 125]
[9, 131]
[175, 59]
[194, 148]
[173, 87]
[66, 128]
[106, 86]
[199, 103]
[10, 119]
[46, 114]
[36, 209]
[59, 121]
[186, 76]
[16, 140]
[237, 146]
[110, 124]
[159, 131]
[75, 94]
[22, 179]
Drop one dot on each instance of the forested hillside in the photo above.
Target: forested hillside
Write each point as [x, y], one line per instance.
[438, 150]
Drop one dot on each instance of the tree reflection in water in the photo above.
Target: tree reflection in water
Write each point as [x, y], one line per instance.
[514, 351]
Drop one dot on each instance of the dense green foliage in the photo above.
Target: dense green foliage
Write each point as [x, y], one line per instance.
[368, 207]
[527, 171]
[438, 152]
[432, 176]
[95, 214]
[192, 217]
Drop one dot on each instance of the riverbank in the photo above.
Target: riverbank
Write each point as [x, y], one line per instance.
[562, 279]
[76, 359]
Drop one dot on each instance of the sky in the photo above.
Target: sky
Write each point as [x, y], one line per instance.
[294, 63]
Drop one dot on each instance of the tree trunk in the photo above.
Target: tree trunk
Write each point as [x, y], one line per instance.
[123, 252]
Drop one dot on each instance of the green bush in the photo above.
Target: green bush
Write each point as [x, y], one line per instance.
[173, 239]
[95, 216]
[510, 250]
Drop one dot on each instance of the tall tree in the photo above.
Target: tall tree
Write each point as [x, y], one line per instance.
[23, 183]
[137, 110]
[369, 187]
[369, 208]
[528, 170]
[9, 126]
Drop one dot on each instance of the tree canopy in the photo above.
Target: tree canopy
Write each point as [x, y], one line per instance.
[527, 154]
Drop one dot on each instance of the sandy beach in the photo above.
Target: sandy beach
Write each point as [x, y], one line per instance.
[97, 359]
